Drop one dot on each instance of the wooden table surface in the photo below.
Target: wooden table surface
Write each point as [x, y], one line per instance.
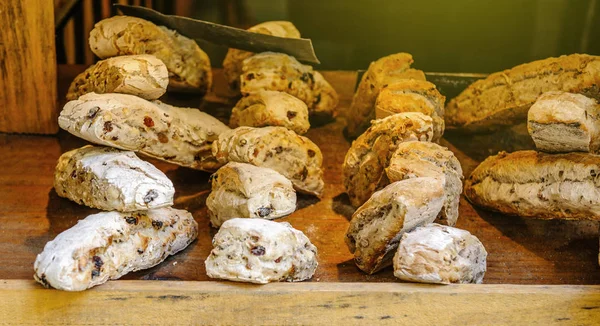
[521, 251]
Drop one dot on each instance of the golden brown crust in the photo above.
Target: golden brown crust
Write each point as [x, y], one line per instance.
[503, 98]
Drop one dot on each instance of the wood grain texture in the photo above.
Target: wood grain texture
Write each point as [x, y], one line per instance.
[521, 251]
[159, 303]
[27, 67]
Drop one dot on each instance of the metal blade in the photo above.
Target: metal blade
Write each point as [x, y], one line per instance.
[301, 49]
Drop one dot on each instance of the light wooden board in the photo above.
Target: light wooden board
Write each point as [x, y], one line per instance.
[167, 302]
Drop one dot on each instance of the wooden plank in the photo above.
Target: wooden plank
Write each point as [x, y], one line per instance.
[168, 302]
[27, 67]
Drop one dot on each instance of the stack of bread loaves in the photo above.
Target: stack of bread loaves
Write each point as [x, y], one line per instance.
[403, 181]
[278, 90]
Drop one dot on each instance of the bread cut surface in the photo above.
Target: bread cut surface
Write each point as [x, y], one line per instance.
[261, 251]
[247, 191]
[376, 227]
[440, 254]
[538, 185]
[182, 136]
[111, 179]
[108, 245]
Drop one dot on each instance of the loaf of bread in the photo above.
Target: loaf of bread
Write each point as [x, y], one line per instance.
[295, 157]
[503, 98]
[365, 161]
[140, 75]
[384, 71]
[416, 159]
[261, 251]
[270, 108]
[440, 254]
[111, 179]
[232, 65]
[376, 227]
[564, 122]
[189, 66]
[108, 245]
[412, 95]
[178, 135]
[538, 185]
[245, 190]
[283, 73]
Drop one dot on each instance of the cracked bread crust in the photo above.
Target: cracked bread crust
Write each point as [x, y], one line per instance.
[295, 157]
[538, 185]
[270, 108]
[141, 75]
[232, 64]
[377, 226]
[412, 95]
[384, 71]
[561, 122]
[503, 98]
[189, 66]
[424, 159]
[108, 245]
[440, 254]
[365, 161]
[261, 251]
[111, 179]
[248, 191]
[182, 136]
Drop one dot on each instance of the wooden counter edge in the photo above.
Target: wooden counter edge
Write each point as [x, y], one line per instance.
[174, 302]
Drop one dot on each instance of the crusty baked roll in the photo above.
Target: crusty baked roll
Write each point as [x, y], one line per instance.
[376, 227]
[503, 98]
[108, 245]
[111, 179]
[232, 65]
[564, 122]
[189, 66]
[365, 161]
[270, 108]
[538, 185]
[261, 251]
[142, 75]
[412, 95]
[181, 136]
[245, 190]
[277, 148]
[415, 159]
[440, 254]
[384, 71]
[283, 73]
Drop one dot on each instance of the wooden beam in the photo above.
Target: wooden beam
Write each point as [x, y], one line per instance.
[169, 302]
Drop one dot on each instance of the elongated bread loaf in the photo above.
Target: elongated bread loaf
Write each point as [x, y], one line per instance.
[111, 179]
[142, 75]
[295, 157]
[178, 135]
[412, 95]
[416, 159]
[365, 161]
[270, 108]
[440, 254]
[232, 64]
[503, 98]
[377, 226]
[384, 71]
[564, 122]
[245, 190]
[189, 66]
[283, 73]
[108, 245]
[261, 251]
[538, 185]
